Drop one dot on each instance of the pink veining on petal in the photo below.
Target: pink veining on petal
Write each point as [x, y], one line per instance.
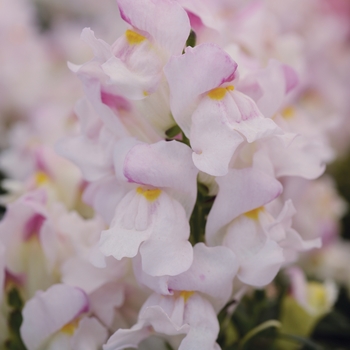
[195, 21]
[33, 226]
[86, 307]
[124, 16]
[41, 163]
[291, 77]
[115, 102]
[17, 279]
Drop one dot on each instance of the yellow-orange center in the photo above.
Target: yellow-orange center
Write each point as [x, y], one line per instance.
[186, 294]
[220, 92]
[150, 195]
[70, 327]
[288, 112]
[254, 214]
[41, 178]
[134, 38]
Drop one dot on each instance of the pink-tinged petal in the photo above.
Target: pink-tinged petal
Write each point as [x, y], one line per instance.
[165, 314]
[128, 338]
[167, 251]
[166, 165]
[105, 300]
[294, 243]
[93, 91]
[212, 139]
[92, 158]
[199, 70]
[134, 82]
[291, 77]
[104, 195]
[300, 157]
[161, 220]
[92, 150]
[101, 50]
[23, 219]
[241, 190]
[261, 268]
[90, 335]
[161, 258]
[252, 124]
[120, 152]
[82, 274]
[272, 81]
[204, 325]
[157, 284]
[165, 20]
[211, 272]
[47, 312]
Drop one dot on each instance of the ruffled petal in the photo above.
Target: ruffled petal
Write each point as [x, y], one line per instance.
[199, 70]
[245, 190]
[212, 139]
[165, 20]
[47, 312]
[166, 165]
[212, 267]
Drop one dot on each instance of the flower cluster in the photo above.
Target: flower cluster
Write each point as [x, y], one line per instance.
[185, 178]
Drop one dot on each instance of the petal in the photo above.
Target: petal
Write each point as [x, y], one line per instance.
[102, 51]
[165, 165]
[300, 157]
[168, 251]
[162, 221]
[212, 139]
[262, 268]
[92, 89]
[199, 70]
[204, 324]
[165, 20]
[128, 338]
[90, 335]
[211, 272]
[92, 159]
[92, 150]
[165, 314]
[132, 224]
[105, 300]
[160, 258]
[82, 274]
[253, 125]
[47, 312]
[133, 82]
[157, 284]
[245, 190]
[104, 195]
[275, 81]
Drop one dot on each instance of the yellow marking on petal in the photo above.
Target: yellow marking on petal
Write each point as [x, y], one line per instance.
[186, 295]
[145, 93]
[254, 214]
[220, 92]
[134, 38]
[41, 178]
[150, 195]
[217, 94]
[288, 112]
[70, 327]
